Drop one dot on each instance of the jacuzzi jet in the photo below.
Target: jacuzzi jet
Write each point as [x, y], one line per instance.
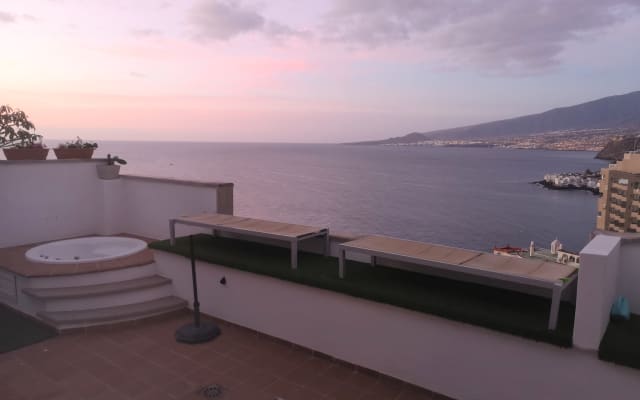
[76, 257]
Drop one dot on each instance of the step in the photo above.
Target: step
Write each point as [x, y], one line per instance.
[106, 300]
[73, 319]
[96, 290]
[92, 278]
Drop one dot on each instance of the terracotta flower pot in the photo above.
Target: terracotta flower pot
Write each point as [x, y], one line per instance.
[26, 153]
[74, 153]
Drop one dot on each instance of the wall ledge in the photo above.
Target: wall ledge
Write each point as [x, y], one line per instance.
[53, 161]
[176, 181]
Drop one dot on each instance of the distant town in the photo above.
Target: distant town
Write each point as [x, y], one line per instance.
[567, 140]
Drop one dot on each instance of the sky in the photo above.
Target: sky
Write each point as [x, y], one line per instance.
[306, 70]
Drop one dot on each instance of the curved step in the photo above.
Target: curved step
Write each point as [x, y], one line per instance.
[97, 290]
[74, 319]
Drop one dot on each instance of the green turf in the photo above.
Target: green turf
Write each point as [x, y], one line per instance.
[621, 342]
[17, 330]
[502, 310]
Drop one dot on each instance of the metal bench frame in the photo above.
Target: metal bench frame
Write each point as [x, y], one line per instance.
[293, 240]
[557, 287]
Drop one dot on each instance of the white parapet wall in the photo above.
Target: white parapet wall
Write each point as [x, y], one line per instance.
[455, 359]
[55, 199]
[46, 200]
[597, 289]
[145, 205]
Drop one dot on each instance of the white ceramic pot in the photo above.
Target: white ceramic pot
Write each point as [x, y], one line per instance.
[108, 171]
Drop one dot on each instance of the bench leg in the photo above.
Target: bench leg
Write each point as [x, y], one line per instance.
[172, 232]
[341, 255]
[555, 305]
[294, 255]
[374, 261]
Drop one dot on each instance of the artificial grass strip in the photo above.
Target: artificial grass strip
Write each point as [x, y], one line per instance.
[621, 342]
[18, 330]
[503, 310]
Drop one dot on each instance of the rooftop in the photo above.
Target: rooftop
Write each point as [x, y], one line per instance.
[142, 360]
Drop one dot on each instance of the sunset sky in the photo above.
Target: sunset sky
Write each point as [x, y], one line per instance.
[306, 70]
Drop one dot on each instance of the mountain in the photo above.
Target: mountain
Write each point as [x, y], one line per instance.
[615, 149]
[613, 112]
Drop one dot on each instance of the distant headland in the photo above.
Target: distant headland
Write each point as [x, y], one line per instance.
[608, 125]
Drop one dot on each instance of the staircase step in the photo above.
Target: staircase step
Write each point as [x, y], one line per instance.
[72, 319]
[96, 290]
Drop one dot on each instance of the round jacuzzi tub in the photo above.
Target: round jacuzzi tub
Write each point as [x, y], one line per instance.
[85, 250]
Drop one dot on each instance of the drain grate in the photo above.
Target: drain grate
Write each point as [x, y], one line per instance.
[211, 391]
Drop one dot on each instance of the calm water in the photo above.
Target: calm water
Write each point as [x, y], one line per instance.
[467, 197]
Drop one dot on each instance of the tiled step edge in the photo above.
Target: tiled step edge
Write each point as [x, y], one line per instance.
[63, 319]
[97, 290]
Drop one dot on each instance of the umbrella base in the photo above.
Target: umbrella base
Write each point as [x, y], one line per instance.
[190, 333]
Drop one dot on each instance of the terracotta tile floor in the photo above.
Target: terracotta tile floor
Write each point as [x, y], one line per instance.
[143, 361]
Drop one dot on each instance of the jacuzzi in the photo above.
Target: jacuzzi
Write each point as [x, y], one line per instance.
[85, 250]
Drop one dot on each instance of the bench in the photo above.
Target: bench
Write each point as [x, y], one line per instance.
[425, 257]
[291, 233]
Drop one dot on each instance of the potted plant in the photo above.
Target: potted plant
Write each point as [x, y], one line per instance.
[110, 170]
[75, 149]
[17, 137]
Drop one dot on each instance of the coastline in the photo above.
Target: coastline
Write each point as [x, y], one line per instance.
[551, 186]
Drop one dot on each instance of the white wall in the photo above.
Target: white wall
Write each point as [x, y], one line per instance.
[51, 200]
[597, 289]
[629, 275]
[44, 200]
[455, 359]
[148, 204]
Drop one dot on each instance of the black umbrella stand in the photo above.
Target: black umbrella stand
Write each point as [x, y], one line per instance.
[198, 331]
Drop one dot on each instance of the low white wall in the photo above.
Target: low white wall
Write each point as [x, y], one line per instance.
[45, 200]
[597, 289]
[50, 200]
[455, 359]
[147, 204]
[629, 274]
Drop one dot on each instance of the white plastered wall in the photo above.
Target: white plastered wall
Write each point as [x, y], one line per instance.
[597, 289]
[41, 201]
[146, 205]
[51, 200]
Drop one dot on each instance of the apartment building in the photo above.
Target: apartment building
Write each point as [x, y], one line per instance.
[619, 206]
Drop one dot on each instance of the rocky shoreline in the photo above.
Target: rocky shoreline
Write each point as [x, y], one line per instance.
[551, 186]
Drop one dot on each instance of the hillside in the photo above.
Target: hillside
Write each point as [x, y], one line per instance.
[614, 112]
[615, 149]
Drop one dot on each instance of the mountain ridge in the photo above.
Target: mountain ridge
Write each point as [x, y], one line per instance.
[611, 112]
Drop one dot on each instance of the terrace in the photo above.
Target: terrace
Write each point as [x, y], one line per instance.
[142, 360]
[381, 332]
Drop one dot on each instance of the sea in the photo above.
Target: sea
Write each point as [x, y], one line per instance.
[473, 198]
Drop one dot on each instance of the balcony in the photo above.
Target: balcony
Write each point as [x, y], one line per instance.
[299, 333]
[619, 197]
